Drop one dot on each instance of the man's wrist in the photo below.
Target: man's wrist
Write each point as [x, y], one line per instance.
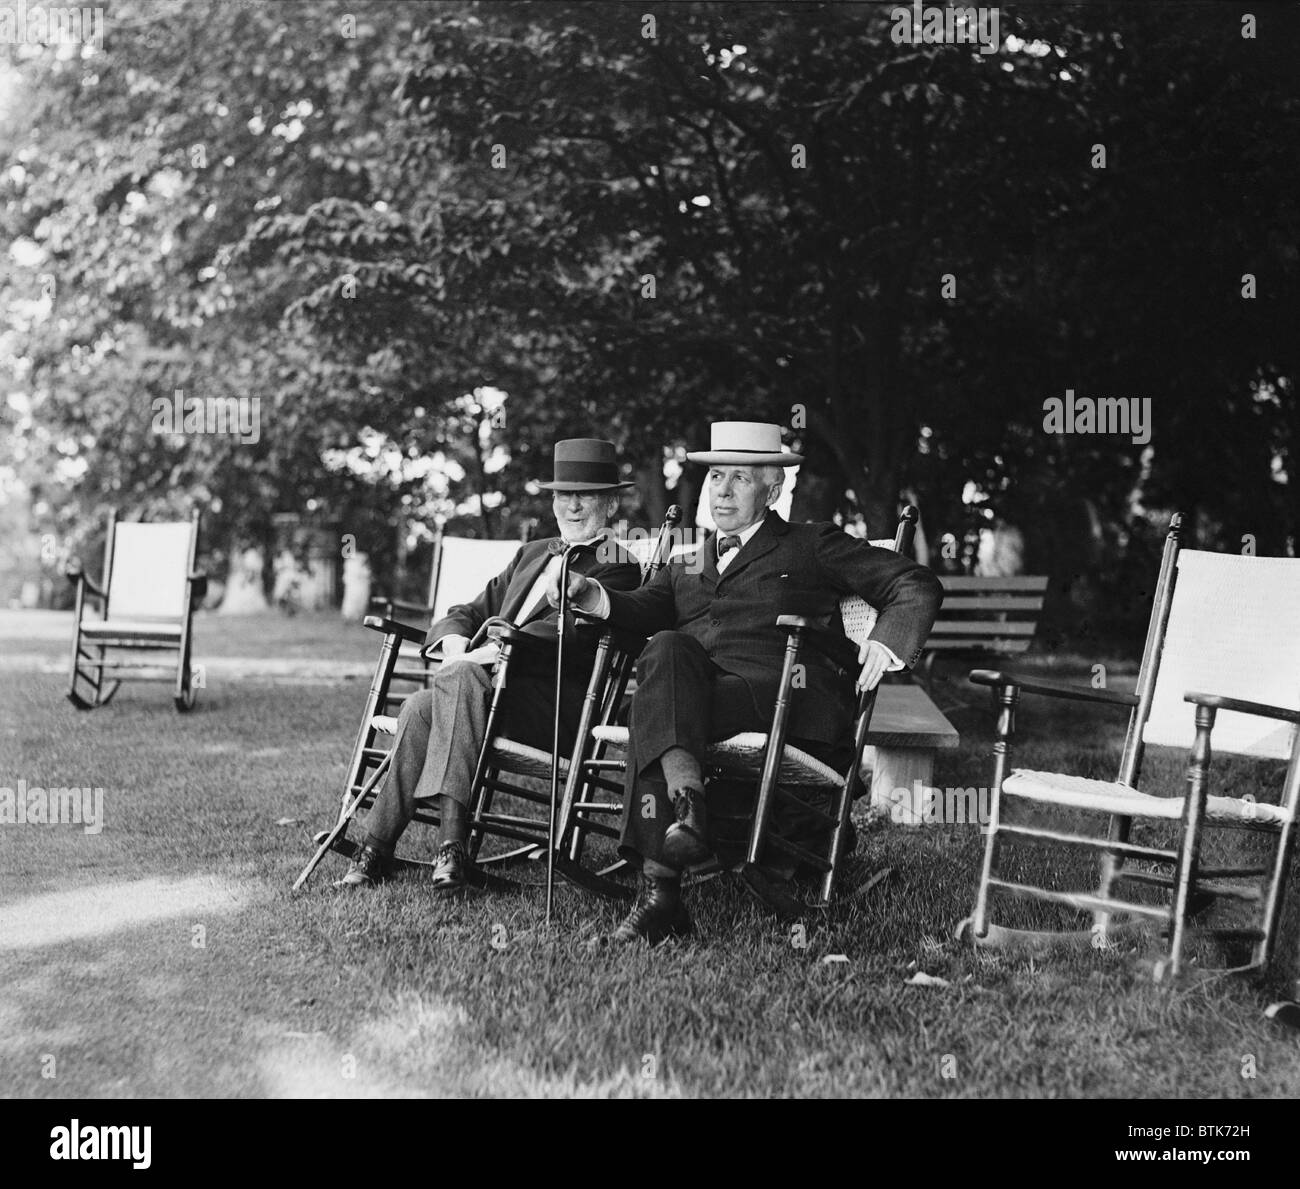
[894, 663]
[447, 646]
[595, 601]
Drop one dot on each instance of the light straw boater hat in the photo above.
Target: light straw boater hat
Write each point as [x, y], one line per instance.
[745, 443]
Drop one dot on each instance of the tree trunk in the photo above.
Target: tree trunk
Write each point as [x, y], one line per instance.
[652, 492]
[245, 594]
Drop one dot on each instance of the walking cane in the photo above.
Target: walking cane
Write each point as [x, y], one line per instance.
[565, 561]
[662, 551]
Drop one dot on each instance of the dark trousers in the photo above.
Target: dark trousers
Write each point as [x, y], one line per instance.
[440, 732]
[682, 700]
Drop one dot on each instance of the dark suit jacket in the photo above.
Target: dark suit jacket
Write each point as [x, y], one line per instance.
[505, 595]
[784, 569]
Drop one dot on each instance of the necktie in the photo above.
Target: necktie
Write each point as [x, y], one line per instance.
[726, 545]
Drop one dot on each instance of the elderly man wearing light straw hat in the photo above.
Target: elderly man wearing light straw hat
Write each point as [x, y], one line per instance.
[713, 664]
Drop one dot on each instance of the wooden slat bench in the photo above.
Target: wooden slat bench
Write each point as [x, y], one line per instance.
[906, 730]
[984, 617]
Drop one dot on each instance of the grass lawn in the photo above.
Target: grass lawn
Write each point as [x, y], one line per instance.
[166, 955]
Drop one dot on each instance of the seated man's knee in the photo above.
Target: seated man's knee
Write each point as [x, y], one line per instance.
[419, 704]
[461, 676]
[671, 643]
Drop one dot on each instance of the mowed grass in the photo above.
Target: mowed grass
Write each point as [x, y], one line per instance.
[167, 956]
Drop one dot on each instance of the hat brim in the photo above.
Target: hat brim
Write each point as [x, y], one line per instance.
[579, 486]
[740, 458]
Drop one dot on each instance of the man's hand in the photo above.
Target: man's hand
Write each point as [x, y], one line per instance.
[584, 594]
[453, 646]
[875, 660]
[485, 654]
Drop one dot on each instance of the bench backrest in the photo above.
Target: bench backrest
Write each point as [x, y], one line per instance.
[998, 615]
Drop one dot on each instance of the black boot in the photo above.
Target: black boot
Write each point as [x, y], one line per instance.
[685, 842]
[370, 867]
[658, 913]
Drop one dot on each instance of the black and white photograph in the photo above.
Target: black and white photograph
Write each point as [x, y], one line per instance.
[642, 550]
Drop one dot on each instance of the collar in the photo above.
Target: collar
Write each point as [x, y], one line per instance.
[558, 545]
[745, 533]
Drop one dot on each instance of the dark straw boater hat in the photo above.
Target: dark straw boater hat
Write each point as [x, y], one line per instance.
[585, 464]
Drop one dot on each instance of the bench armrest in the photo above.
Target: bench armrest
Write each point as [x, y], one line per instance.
[997, 678]
[1263, 710]
[391, 627]
[834, 646]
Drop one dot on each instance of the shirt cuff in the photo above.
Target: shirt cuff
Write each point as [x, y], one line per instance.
[431, 651]
[600, 610]
[894, 663]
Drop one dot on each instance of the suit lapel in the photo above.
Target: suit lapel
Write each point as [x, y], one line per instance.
[763, 541]
[524, 578]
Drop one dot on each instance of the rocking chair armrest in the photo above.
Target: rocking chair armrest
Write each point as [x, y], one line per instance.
[391, 627]
[835, 647]
[621, 640]
[518, 639]
[997, 679]
[1262, 709]
[199, 580]
[74, 574]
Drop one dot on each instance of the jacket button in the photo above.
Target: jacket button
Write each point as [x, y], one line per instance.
[713, 623]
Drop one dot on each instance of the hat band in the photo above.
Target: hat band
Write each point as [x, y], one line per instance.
[586, 472]
[742, 450]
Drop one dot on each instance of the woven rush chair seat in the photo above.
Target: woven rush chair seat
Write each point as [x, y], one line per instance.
[744, 753]
[1107, 796]
[508, 755]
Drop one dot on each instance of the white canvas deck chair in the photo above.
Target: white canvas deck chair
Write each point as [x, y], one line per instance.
[462, 567]
[784, 772]
[146, 604]
[1221, 664]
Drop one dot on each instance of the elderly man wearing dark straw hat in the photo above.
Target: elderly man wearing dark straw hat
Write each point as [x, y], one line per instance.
[713, 663]
[440, 729]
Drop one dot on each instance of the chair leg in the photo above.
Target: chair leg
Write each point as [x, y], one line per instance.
[1112, 866]
[1008, 697]
[1273, 896]
[184, 697]
[1198, 771]
[772, 754]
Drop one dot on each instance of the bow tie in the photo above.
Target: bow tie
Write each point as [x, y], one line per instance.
[557, 545]
[726, 545]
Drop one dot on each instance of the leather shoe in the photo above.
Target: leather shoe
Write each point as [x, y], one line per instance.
[450, 868]
[684, 842]
[657, 914]
[368, 869]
